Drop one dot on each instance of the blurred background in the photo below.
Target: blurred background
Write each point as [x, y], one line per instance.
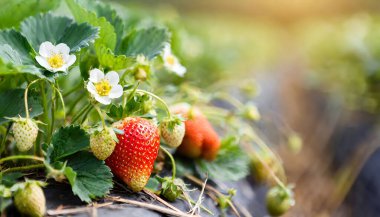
[317, 69]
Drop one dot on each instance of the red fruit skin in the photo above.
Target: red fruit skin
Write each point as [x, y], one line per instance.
[200, 138]
[135, 153]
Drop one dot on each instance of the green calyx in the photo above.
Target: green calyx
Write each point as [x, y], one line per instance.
[172, 121]
[171, 189]
[224, 201]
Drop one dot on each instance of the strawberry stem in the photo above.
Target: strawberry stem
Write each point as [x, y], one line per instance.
[62, 101]
[157, 98]
[23, 168]
[80, 113]
[45, 114]
[22, 157]
[100, 115]
[172, 160]
[52, 113]
[26, 96]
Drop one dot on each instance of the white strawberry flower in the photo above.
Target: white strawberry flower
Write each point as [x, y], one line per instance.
[55, 58]
[104, 87]
[171, 62]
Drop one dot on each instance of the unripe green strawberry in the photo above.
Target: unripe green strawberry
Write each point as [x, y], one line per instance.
[135, 152]
[30, 200]
[103, 143]
[260, 171]
[25, 132]
[279, 200]
[172, 132]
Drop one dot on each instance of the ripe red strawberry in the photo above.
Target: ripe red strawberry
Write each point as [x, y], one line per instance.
[135, 153]
[200, 138]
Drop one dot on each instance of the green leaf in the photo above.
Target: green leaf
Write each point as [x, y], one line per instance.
[107, 35]
[136, 104]
[46, 27]
[10, 179]
[108, 60]
[19, 44]
[4, 203]
[89, 177]
[78, 36]
[12, 104]
[67, 141]
[150, 42]
[9, 55]
[116, 112]
[105, 10]
[231, 163]
[88, 61]
[153, 184]
[11, 63]
[13, 12]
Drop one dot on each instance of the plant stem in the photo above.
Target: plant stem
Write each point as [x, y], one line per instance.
[52, 114]
[73, 89]
[86, 114]
[23, 168]
[45, 108]
[233, 101]
[62, 101]
[75, 118]
[26, 96]
[274, 176]
[2, 146]
[100, 115]
[172, 160]
[21, 157]
[75, 102]
[201, 206]
[150, 206]
[157, 98]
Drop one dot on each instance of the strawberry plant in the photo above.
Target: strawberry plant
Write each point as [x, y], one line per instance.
[83, 103]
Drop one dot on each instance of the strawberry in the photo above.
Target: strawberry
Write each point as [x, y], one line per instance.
[200, 138]
[135, 153]
[25, 132]
[29, 199]
[103, 143]
[260, 171]
[172, 131]
[279, 200]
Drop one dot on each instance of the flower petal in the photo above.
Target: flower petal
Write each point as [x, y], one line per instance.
[91, 88]
[179, 70]
[60, 69]
[42, 61]
[105, 100]
[70, 60]
[62, 48]
[116, 91]
[96, 75]
[167, 50]
[46, 49]
[112, 77]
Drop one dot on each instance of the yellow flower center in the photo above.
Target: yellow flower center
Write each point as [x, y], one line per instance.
[56, 61]
[103, 87]
[170, 59]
